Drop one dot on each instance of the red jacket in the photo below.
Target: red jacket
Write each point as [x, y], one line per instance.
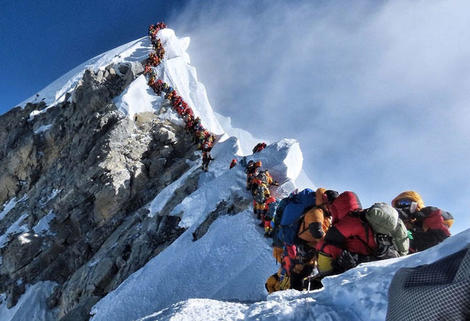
[348, 231]
[430, 227]
[433, 219]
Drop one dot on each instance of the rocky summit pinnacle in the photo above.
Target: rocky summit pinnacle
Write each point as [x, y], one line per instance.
[85, 170]
[102, 192]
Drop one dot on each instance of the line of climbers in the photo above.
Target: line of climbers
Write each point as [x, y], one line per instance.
[258, 182]
[322, 233]
[316, 233]
[204, 139]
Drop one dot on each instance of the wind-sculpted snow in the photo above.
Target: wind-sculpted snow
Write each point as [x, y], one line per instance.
[55, 93]
[138, 98]
[32, 305]
[220, 183]
[19, 226]
[284, 161]
[359, 294]
[228, 263]
[195, 309]
[164, 196]
[176, 71]
[8, 206]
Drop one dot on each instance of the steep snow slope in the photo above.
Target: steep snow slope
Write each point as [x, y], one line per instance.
[358, 294]
[229, 262]
[31, 306]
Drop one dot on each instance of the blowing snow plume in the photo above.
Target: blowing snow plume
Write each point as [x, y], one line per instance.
[376, 93]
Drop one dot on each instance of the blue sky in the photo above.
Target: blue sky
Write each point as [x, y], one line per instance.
[376, 93]
[42, 40]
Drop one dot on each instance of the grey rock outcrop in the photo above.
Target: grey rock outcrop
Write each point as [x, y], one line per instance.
[86, 171]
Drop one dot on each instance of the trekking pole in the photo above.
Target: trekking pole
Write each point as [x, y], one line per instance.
[314, 275]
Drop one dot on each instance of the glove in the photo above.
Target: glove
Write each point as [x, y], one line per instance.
[346, 261]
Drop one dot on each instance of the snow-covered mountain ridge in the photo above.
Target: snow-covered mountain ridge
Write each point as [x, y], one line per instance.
[99, 176]
[358, 294]
[104, 208]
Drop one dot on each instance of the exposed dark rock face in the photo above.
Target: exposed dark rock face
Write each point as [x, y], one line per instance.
[229, 207]
[88, 171]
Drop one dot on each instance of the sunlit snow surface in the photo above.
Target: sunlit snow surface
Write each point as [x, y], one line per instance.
[359, 294]
[229, 262]
[8, 206]
[138, 98]
[17, 227]
[54, 93]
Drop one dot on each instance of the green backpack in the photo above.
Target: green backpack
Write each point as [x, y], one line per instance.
[389, 230]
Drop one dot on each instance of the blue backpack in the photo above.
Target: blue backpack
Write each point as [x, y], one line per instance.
[293, 213]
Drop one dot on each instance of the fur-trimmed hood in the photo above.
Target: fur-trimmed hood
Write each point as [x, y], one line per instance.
[412, 195]
[345, 203]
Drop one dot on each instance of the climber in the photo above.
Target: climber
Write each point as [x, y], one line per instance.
[206, 159]
[157, 87]
[252, 170]
[148, 69]
[153, 60]
[265, 177]
[260, 193]
[206, 146]
[347, 243]
[268, 214]
[176, 101]
[233, 163]
[313, 227]
[259, 147]
[197, 125]
[206, 140]
[278, 244]
[159, 50]
[197, 135]
[166, 88]
[161, 25]
[179, 109]
[317, 220]
[188, 119]
[187, 110]
[280, 280]
[429, 225]
[151, 80]
[314, 223]
[171, 92]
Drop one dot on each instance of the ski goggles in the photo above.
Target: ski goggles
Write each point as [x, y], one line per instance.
[405, 202]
